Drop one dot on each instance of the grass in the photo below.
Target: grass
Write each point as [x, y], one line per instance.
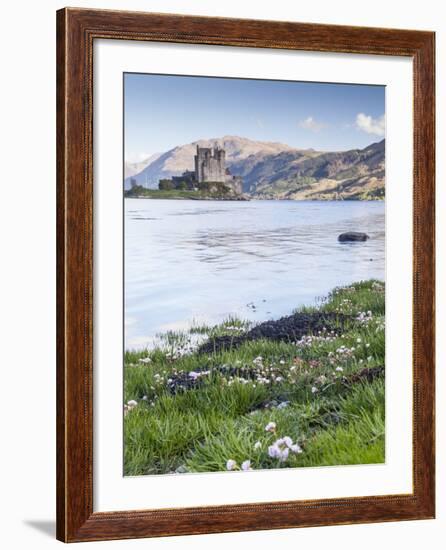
[192, 412]
[176, 194]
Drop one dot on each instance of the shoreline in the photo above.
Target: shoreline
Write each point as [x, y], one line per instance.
[251, 198]
[316, 376]
[179, 198]
[301, 321]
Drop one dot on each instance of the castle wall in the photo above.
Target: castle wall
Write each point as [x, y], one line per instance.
[210, 165]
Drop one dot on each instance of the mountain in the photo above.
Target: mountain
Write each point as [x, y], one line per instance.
[312, 175]
[277, 171]
[133, 168]
[175, 161]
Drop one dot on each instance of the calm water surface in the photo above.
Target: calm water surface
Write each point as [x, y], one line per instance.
[189, 262]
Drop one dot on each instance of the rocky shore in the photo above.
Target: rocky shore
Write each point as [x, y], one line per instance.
[286, 329]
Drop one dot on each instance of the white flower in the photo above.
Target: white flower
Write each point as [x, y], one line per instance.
[358, 340]
[283, 405]
[369, 358]
[194, 375]
[339, 369]
[282, 362]
[145, 360]
[231, 465]
[281, 448]
[284, 454]
[246, 465]
[296, 449]
[367, 345]
[314, 389]
[270, 427]
[257, 445]
[279, 379]
[132, 403]
[274, 451]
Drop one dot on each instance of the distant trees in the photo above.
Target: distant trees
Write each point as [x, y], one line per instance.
[135, 191]
[210, 187]
[166, 185]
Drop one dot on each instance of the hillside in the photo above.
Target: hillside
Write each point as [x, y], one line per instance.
[304, 175]
[134, 168]
[175, 161]
[278, 171]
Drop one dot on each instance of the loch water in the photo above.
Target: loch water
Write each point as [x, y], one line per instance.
[191, 262]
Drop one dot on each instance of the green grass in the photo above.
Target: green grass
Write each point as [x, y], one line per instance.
[307, 388]
[176, 194]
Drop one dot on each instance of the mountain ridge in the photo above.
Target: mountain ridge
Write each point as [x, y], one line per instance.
[272, 170]
[180, 158]
[134, 168]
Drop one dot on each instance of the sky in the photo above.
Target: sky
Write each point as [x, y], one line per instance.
[163, 111]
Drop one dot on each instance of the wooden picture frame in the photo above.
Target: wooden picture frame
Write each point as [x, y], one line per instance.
[76, 31]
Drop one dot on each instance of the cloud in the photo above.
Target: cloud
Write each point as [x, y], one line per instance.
[370, 125]
[311, 124]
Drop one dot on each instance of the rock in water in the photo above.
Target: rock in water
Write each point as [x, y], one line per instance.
[352, 236]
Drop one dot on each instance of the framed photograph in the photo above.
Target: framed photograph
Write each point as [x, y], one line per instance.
[245, 275]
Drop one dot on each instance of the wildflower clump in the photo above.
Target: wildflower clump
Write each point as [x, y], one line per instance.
[282, 447]
[231, 465]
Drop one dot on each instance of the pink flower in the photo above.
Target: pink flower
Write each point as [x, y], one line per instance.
[246, 465]
[231, 465]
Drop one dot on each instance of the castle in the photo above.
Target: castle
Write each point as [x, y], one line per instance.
[210, 168]
[210, 164]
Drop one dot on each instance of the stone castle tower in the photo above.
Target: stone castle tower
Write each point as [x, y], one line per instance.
[210, 164]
